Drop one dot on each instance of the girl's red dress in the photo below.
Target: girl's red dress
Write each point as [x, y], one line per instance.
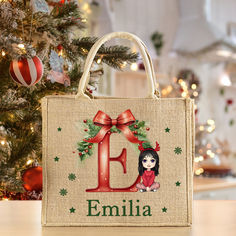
[148, 178]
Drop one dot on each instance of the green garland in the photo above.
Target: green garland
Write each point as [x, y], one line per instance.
[85, 149]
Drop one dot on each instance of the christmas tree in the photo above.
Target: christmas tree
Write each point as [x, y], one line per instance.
[39, 38]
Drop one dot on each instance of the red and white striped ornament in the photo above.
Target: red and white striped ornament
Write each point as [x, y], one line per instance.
[26, 71]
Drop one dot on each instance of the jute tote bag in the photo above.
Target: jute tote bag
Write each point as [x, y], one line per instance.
[117, 161]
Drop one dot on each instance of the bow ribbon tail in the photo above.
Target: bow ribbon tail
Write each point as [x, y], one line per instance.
[100, 135]
[128, 134]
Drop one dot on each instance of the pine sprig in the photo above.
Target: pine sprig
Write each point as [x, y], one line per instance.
[139, 129]
[91, 130]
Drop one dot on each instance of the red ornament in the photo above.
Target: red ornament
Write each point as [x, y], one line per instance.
[80, 153]
[85, 130]
[147, 128]
[229, 101]
[86, 150]
[141, 66]
[26, 71]
[90, 146]
[135, 126]
[135, 132]
[85, 121]
[33, 179]
[59, 47]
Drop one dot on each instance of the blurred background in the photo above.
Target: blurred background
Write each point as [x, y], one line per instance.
[193, 47]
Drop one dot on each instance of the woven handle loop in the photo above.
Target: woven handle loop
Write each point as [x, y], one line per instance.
[153, 91]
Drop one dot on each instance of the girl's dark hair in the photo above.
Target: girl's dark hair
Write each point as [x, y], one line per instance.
[141, 169]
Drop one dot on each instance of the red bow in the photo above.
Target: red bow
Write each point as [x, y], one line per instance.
[122, 122]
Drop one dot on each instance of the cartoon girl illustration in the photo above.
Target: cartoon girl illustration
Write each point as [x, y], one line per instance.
[148, 168]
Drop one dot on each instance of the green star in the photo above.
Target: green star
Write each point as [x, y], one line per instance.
[63, 192]
[59, 129]
[71, 176]
[56, 159]
[178, 150]
[167, 130]
[72, 210]
[164, 209]
[178, 183]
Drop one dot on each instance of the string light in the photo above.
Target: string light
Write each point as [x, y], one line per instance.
[21, 46]
[86, 8]
[3, 142]
[134, 67]
[225, 80]
[164, 92]
[199, 171]
[3, 53]
[201, 128]
[201, 158]
[124, 64]
[184, 94]
[99, 60]
[29, 162]
[208, 152]
[60, 53]
[195, 93]
[169, 88]
[198, 159]
[194, 86]
[84, 50]
[210, 122]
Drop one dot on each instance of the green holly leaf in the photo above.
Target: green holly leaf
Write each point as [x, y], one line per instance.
[90, 152]
[114, 129]
[147, 145]
[141, 133]
[141, 124]
[83, 157]
[141, 138]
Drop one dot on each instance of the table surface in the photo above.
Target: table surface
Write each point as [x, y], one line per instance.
[201, 184]
[210, 218]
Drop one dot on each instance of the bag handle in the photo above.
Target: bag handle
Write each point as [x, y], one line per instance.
[153, 91]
